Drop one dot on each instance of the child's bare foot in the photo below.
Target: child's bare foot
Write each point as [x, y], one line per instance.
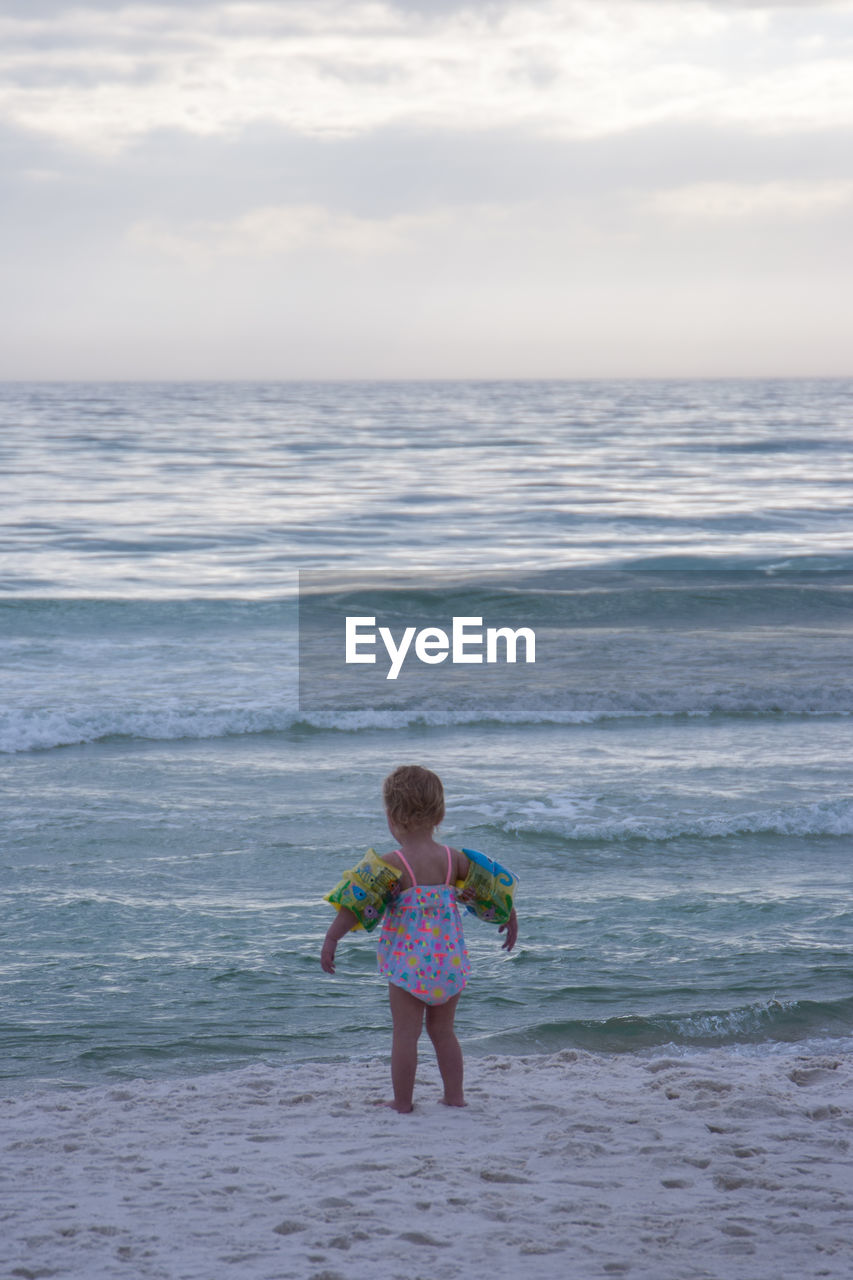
[394, 1105]
[454, 1102]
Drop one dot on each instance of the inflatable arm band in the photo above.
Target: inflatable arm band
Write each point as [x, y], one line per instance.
[366, 890]
[491, 886]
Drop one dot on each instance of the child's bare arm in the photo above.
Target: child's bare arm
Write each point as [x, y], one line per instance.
[344, 921]
[511, 931]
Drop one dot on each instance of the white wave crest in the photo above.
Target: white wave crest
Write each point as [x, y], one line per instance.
[35, 729]
[22, 731]
[820, 818]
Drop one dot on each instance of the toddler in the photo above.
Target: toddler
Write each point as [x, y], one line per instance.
[421, 946]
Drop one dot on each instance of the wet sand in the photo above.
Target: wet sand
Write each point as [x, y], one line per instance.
[713, 1166]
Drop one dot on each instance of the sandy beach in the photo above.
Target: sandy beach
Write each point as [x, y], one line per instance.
[714, 1166]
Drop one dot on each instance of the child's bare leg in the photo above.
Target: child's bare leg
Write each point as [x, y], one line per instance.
[439, 1022]
[407, 1013]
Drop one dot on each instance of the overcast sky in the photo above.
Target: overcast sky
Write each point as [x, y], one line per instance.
[422, 188]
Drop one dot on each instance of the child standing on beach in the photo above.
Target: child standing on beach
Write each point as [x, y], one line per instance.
[421, 948]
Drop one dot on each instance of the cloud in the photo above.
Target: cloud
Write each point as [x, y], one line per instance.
[275, 231]
[355, 188]
[426, 8]
[524, 236]
[326, 69]
[729, 201]
[562, 288]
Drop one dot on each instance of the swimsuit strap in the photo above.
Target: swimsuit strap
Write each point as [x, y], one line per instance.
[404, 860]
[402, 857]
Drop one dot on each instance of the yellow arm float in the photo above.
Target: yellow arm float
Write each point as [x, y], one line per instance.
[488, 889]
[366, 890]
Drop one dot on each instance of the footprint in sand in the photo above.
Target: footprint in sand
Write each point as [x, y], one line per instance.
[488, 1176]
[420, 1237]
[804, 1076]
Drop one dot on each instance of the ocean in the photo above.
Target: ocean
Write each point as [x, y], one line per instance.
[671, 783]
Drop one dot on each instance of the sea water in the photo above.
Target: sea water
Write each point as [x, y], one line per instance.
[674, 795]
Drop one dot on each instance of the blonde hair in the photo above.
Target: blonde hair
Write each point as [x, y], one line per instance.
[414, 798]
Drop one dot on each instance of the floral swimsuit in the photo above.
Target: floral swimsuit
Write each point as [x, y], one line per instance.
[421, 947]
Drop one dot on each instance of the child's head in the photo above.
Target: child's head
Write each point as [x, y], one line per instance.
[414, 798]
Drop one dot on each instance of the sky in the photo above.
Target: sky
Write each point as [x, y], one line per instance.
[425, 189]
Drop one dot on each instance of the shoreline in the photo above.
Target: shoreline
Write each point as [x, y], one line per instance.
[710, 1165]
